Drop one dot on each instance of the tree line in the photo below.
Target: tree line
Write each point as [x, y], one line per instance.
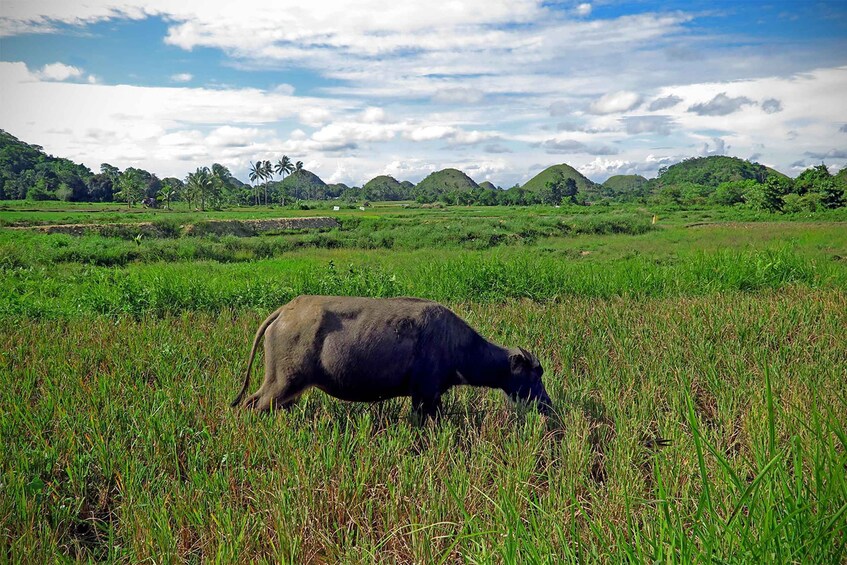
[26, 172]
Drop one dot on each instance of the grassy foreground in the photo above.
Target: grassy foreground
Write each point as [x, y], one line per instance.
[118, 443]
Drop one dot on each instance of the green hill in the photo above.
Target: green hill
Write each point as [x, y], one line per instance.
[334, 190]
[446, 180]
[487, 184]
[539, 181]
[384, 187]
[409, 186]
[624, 183]
[303, 184]
[714, 170]
[26, 171]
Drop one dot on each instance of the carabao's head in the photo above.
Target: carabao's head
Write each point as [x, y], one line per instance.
[524, 381]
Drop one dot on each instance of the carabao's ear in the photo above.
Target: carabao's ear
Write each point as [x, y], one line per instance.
[520, 358]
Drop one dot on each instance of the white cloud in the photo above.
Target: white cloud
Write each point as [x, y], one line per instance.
[182, 77]
[615, 102]
[458, 84]
[373, 115]
[457, 95]
[428, 133]
[228, 136]
[140, 126]
[314, 117]
[59, 72]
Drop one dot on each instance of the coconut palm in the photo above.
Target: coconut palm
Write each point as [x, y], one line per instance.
[256, 172]
[298, 166]
[283, 167]
[200, 184]
[221, 179]
[268, 175]
[167, 192]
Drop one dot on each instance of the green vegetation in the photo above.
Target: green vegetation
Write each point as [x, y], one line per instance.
[714, 170]
[624, 187]
[303, 185]
[119, 357]
[443, 182]
[384, 187]
[26, 172]
[539, 181]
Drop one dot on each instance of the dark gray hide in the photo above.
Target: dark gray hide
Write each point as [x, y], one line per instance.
[372, 349]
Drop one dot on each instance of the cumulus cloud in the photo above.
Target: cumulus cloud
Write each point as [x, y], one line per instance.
[59, 72]
[496, 148]
[614, 102]
[228, 136]
[411, 169]
[125, 125]
[771, 106]
[314, 117]
[554, 146]
[583, 9]
[716, 147]
[647, 124]
[482, 74]
[601, 168]
[373, 115]
[831, 154]
[182, 77]
[720, 105]
[451, 134]
[668, 101]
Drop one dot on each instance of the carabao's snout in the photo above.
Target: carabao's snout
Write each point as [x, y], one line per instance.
[524, 383]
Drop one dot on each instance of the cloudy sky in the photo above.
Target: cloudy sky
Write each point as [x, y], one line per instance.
[498, 88]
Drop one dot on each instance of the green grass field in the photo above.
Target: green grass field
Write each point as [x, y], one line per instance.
[718, 330]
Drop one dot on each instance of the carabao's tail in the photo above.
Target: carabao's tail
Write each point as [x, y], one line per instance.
[259, 334]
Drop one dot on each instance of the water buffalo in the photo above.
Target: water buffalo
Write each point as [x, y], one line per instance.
[372, 349]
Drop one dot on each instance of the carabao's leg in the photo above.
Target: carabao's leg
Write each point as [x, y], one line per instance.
[280, 390]
[283, 396]
[426, 405]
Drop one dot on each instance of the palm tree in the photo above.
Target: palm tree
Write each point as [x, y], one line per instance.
[221, 178]
[255, 176]
[200, 184]
[283, 167]
[168, 191]
[268, 175]
[298, 166]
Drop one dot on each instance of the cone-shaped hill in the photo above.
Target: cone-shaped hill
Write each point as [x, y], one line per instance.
[624, 183]
[539, 181]
[714, 170]
[384, 187]
[487, 184]
[446, 180]
[304, 184]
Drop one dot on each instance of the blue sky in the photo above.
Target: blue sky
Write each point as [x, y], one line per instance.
[498, 88]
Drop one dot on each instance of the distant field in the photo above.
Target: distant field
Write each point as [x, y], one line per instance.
[719, 330]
